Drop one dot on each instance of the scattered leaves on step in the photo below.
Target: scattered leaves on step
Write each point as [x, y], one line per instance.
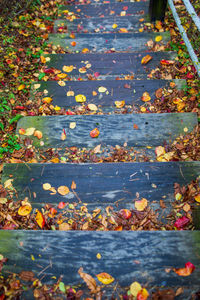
[140, 205]
[80, 98]
[146, 59]
[187, 271]
[63, 190]
[72, 125]
[24, 210]
[119, 104]
[68, 69]
[63, 135]
[94, 133]
[40, 219]
[105, 278]
[146, 97]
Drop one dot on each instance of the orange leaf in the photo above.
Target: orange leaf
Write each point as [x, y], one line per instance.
[146, 59]
[189, 268]
[85, 50]
[73, 44]
[43, 59]
[140, 205]
[89, 280]
[61, 205]
[24, 210]
[166, 62]
[123, 30]
[64, 227]
[61, 75]
[146, 97]
[21, 87]
[197, 198]
[73, 185]
[40, 219]
[38, 134]
[143, 294]
[47, 100]
[63, 190]
[94, 133]
[120, 104]
[105, 278]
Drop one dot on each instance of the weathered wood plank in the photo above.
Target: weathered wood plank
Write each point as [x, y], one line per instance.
[117, 91]
[153, 129]
[97, 42]
[68, 251]
[95, 10]
[110, 65]
[102, 184]
[131, 24]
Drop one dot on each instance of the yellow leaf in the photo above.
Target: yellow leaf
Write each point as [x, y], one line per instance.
[46, 186]
[146, 97]
[73, 185]
[120, 104]
[30, 131]
[24, 210]
[140, 205]
[8, 184]
[21, 87]
[62, 75]
[80, 98]
[37, 86]
[47, 100]
[64, 226]
[72, 125]
[123, 30]
[146, 59]
[68, 69]
[61, 83]
[92, 107]
[160, 151]
[38, 134]
[98, 255]
[85, 50]
[63, 190]
[70, 94]
[114, 26]
[197, 198]
[57, 108]
[105, 278]
[43, 59]
[102, 89]
[135, 287]
[82, 70]
[158, 38]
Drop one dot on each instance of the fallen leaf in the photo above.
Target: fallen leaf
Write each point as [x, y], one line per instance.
[142, 294]
[63, 190]
[68, 69]
[72, 125]
[85, 50]
[70, 94]
[61, 205]
[73, 44]
[63, 135]
[24, 210]
[43, 59]
[8, 184]
[140, 205]
[80, 98]
[62, 287]
[123, 30]
[181, 222]
[46, 186]
[166, 62]
[135, 126]
[146, 59]
[61, 83]
[102, 89]
[38, 134]
[97, 149]
[158, 38]
[61, 75]
[125, 213]
[92, 107]
[94, 133]
[89, 280]
[105, 278]
[146, 97]
[119, 104]
[73, 185]
[197, 198]
[40, 219]
[98, 256]
[160, 151]
[189, 268]
[64, 227]
[47, 100]
[21, 87]
[186, 207]
[30, 131]
[37, 86]
[114, 26]
[135, 287]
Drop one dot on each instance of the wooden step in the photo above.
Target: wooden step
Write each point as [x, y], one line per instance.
[145, 257]
[100, 185]
[153, 129]
[130, 91]
[97, 42]
[96, 10]
[100, 25]
[108, 66]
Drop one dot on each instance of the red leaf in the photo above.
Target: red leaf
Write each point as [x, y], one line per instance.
[125, 213]
[181, 222]
[189, 268]
[61, 205]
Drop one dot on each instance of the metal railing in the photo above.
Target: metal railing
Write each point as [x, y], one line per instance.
[157, 12]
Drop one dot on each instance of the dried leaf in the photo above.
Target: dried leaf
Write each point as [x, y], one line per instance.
[92, 107]
[47, 100]
[197, 198]
[30, 131]
[102, 89]
[73, 185]
[63, 135]
[68, 69]
[63, 190]
[70, 94]
[125, 213]
[105, 278]
[146, 97]
[38, 134]
[64, 227]
[94, 133]
[140, 205]
[24, 210]
[21, 87]
[158, 38]
[189, 268]
[146, 59]
[142, 294]
[61, 75]
[40, 219]
[89, 280]
[72, 125]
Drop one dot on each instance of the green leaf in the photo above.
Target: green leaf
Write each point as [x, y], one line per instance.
[15, 119]
[62, 287]
[1, 126]
[41, 75]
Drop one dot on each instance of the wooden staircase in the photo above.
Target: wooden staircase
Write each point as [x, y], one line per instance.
[143, 256]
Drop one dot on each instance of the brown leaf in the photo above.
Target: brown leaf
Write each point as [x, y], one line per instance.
[162, 204]
[89, 280]
[27, 276]
[159, 93]
[73, 185]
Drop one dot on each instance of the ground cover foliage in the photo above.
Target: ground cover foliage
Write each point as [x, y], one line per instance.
[24, 45]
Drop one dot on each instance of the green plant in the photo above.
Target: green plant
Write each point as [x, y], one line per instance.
[10, 144]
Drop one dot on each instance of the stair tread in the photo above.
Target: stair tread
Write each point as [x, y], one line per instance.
[153, 129]
[117, 91]
[101, 184]
[95, 10]
[98, 42]
[68, 251]
[131, 24]
[109, 65]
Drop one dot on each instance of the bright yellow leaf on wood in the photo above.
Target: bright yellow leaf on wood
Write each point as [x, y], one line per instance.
[47, 100]
[62, 75]
[114, 26]
[61, 83]
[92, 107]
[105, 278]
[24, 210]
[70, 93]
[146, 59]
[63, 190]
[80, 98]
[43, 59]
[123, 30]
[135, 287]
[85, 50]
[140, 205]
[158, 38]
[146, 97]
[68, 69]
[119, 104]
[30, 131]
[72, 125]
[46, 186]
[38, 134]
[102, 89]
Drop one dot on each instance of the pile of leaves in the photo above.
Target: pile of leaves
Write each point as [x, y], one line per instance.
[19, 214]
[16, 285]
